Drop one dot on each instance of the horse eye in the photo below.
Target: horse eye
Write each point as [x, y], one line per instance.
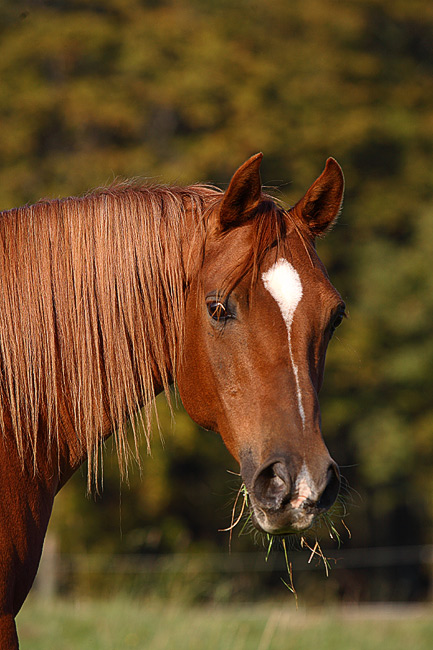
[338, 319]
[217, 310]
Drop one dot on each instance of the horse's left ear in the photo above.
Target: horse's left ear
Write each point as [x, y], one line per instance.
[242, 195]
[321, 204]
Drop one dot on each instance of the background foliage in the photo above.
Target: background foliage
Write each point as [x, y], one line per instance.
[186, 90]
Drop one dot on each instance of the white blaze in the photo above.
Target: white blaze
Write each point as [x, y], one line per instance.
[303, 488]
[284, 284]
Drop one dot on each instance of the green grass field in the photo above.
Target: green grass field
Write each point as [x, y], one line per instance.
[123, 624]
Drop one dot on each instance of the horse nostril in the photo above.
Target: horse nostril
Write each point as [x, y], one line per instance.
[331, 489]
[273, 488]
[272, 484]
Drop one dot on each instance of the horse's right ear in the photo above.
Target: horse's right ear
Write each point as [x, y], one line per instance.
[242, 195]
[321, 204]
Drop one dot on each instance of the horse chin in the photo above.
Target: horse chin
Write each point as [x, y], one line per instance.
[290, 523]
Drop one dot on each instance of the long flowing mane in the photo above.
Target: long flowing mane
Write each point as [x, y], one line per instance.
[91, 307]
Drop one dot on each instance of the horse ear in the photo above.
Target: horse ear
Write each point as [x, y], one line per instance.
[242, 195]
[321, 204]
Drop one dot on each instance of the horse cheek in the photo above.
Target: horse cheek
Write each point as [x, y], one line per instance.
[195, 385]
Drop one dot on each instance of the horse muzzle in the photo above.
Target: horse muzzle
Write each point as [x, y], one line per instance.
[283, 500]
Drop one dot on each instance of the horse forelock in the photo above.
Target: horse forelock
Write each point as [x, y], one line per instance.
[270, 229]
[91, 308]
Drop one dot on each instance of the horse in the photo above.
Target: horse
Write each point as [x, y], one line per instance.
[109, 298]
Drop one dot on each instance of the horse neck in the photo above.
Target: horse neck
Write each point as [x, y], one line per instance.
[182, 232]
[112, 311]
[175, 235]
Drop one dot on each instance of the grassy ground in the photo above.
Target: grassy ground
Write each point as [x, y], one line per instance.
[122, 624]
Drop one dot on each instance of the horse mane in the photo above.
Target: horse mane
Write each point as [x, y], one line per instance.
[73, 274]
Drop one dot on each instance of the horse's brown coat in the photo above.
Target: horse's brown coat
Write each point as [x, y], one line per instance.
[104, 302]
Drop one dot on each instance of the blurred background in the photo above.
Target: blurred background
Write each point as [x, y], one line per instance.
[184, 91]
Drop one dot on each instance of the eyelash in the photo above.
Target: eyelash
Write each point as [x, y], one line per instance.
[218, 311]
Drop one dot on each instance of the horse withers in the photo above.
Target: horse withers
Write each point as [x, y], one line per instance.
[108, 299]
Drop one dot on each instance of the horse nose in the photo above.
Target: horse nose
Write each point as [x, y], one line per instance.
[272, 484]
[275, 487]
[331, 488]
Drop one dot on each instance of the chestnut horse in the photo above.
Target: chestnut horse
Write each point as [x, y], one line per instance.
[108, 299]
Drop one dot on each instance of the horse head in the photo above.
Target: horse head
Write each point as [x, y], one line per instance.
[260, 313]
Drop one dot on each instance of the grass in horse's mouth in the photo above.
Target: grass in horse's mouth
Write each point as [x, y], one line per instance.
[271, 541]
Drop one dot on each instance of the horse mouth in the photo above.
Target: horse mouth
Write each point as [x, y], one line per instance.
[290, 521]
[286, 502]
